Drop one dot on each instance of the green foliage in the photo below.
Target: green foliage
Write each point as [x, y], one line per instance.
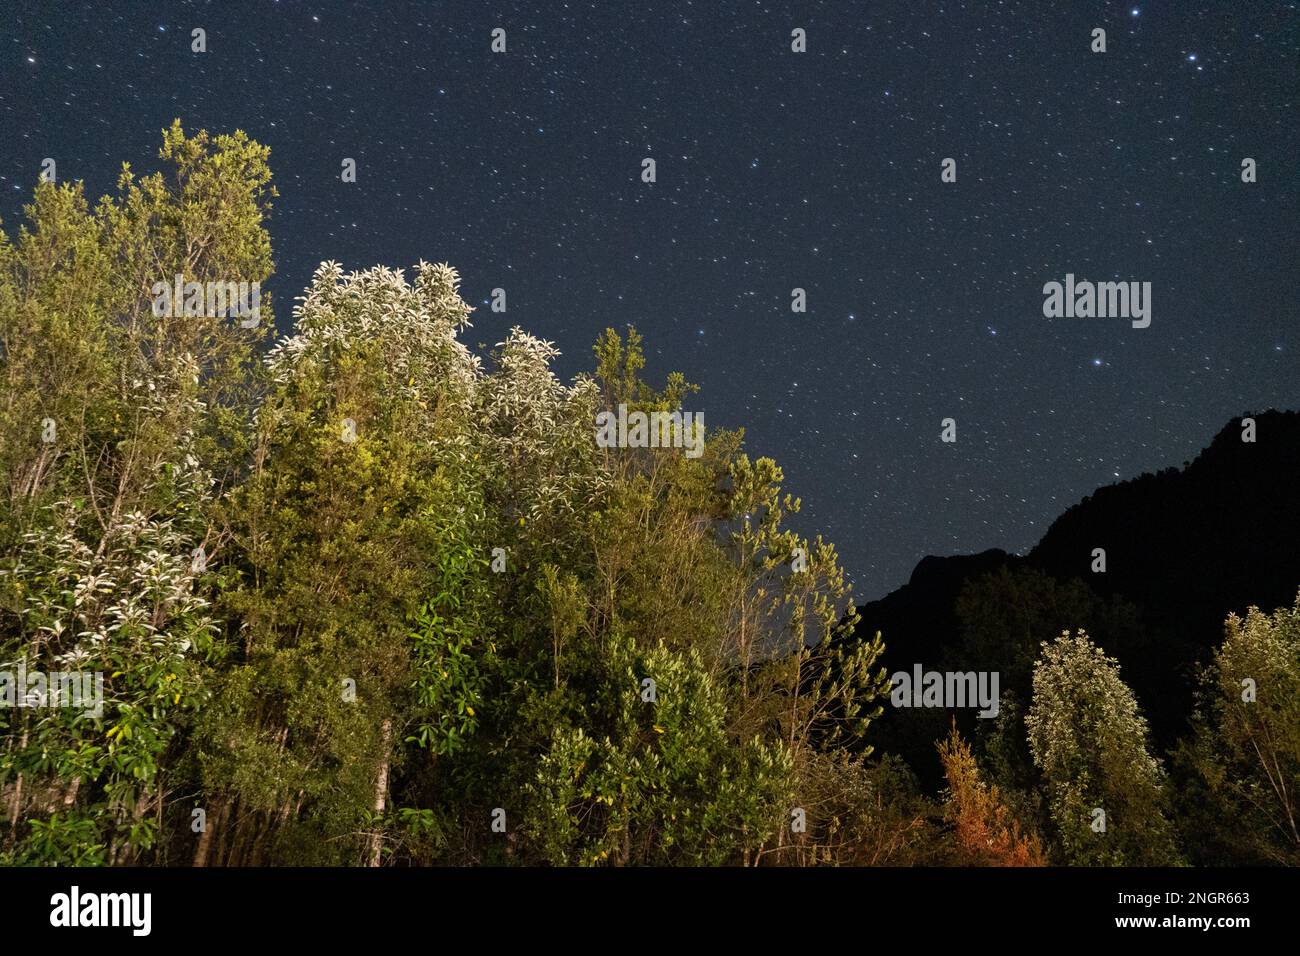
[860, 812]
[449, 628]
[663, 783]
[115, 424]
[1090, 742]
[1240, 768]
[61, 840]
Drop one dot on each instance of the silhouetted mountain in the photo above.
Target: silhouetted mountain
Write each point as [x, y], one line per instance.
[1183, 547]
[1189, 545]
[918, 620]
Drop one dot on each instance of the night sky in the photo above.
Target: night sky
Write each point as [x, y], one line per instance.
[775, 170]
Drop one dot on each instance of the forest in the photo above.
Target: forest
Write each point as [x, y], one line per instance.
[361, 596]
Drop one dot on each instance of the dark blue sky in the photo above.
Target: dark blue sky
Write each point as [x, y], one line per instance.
[775, 170]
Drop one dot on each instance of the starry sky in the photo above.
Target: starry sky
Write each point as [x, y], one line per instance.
[775, 170]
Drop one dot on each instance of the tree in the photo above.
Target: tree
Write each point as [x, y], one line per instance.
[359, 519]
[1105, 791]
[118, 429]
[984, 831]
[1242, 762]
[370, 598]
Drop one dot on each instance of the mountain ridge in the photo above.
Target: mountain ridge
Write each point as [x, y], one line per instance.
[1184, 547]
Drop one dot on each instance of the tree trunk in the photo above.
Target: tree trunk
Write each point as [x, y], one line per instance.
[381, 795]
[16, 801]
